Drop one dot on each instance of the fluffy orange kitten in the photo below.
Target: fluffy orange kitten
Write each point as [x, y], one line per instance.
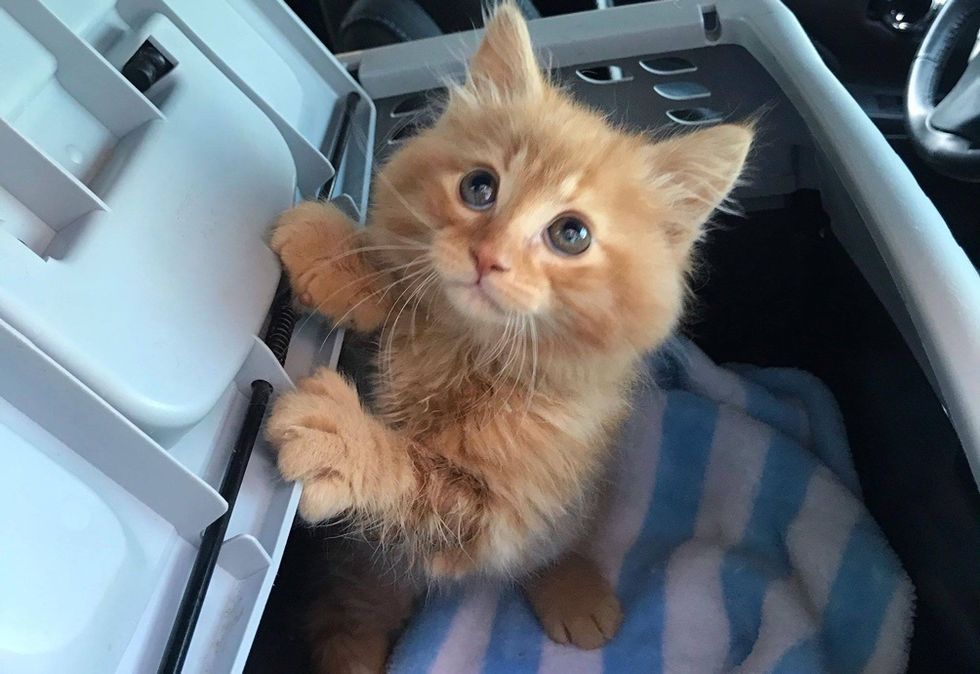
[521, 256]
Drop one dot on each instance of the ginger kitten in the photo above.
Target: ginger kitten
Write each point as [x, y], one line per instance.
[521, 256]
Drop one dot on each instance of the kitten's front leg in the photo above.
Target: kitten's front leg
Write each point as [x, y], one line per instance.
[344, 457]
[319, 247]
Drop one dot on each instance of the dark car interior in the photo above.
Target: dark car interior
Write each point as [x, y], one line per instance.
[778, 289]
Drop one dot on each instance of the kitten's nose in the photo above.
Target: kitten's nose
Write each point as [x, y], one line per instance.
[487, 260]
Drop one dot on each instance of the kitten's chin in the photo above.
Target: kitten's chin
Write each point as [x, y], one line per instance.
[475, 303]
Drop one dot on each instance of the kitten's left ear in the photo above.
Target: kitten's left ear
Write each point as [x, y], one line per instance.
[696, 172]
[505, 60]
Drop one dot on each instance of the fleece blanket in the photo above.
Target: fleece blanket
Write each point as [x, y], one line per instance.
[736, 540]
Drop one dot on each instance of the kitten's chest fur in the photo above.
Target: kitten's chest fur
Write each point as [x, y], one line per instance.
[533, 433]
[426, 386]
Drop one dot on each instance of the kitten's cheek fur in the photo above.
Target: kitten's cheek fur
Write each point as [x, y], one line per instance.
[452, 263]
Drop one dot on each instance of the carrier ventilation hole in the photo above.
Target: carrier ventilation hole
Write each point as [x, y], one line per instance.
[711, 23]
[668, 65]
[417, 102]
[682, 91]
[403, 132]
[694, 116]
[603, 75]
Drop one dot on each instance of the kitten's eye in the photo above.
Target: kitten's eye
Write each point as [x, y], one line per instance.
[478, 189]
[568, 235]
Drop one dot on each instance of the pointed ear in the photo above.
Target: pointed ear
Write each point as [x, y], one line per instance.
[505, 60]
[696, 172]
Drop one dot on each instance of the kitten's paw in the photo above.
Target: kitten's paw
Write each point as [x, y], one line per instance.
[317, 244]
[319, 431]
[575, 604]
[306, 235]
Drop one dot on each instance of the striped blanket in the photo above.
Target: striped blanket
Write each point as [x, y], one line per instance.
[736, 540]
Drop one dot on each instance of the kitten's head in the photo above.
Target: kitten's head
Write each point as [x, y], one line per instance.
[533, 207]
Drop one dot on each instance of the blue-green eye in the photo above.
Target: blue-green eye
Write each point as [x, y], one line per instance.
[568, 235]
[478, 189]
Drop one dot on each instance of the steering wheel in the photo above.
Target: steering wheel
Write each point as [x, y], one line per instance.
[946, 133]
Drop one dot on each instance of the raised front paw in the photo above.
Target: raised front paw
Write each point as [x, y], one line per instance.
[322, 435]
[320, 250]
[305, 237]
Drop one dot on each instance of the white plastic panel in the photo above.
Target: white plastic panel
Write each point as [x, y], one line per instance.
[94, 508]
[55, 605]
[124, 202]
[154, 300]
[134, 279]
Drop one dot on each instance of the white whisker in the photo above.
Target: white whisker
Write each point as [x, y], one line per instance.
[387, 352]
[370, 276]
[384, 291]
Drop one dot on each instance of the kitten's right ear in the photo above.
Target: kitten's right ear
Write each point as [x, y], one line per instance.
[505, 60]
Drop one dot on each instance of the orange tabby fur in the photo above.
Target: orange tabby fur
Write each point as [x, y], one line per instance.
[496, 405]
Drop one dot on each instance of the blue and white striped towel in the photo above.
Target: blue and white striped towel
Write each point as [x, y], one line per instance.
[736, 540]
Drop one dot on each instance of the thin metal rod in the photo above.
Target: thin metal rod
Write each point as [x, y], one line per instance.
[207, 556]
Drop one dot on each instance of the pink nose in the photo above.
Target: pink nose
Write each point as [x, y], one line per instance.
[487, 260]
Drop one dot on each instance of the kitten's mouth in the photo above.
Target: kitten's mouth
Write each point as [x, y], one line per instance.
[474, 299]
